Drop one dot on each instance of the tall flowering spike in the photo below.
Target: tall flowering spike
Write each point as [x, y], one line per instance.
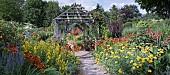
[0, 62]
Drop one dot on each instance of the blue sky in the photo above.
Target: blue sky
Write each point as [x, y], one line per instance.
[91, 4]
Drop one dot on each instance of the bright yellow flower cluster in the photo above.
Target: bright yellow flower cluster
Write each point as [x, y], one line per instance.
[50, 52]
[122, 54]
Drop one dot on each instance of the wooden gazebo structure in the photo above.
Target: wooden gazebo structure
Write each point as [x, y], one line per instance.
[74, 15]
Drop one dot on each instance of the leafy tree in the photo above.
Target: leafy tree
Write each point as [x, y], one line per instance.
[160, 7]
[34, 12]
[11, 10]
[98, 15]
[129, 12]
[64, 8]
[114, 13]
[151, 16]
[52, 10]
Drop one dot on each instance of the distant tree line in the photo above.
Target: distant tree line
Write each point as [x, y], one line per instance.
[40, 13]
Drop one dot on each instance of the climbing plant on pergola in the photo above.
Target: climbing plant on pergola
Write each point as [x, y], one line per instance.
[74, 15]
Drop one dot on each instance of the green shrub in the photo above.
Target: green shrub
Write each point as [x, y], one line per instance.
[128, 24]
[128, 30]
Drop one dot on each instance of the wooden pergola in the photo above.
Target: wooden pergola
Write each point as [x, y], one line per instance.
[74, 15]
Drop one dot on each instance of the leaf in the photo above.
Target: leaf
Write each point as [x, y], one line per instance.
[155, 50]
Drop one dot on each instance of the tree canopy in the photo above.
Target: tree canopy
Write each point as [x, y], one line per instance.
[11, 10]
[160, 7]
[129, 12]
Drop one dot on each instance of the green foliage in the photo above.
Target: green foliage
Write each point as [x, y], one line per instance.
[11, 57]
[161, 7]
[114, 14]
[128, 24]
[151, 16]
[34, 12]
[11, 10]
[100, 18]
[64, 8]
[52, 11]
[129, 12]
[129, 30]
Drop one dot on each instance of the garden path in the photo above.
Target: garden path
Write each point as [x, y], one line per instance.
[88, 65]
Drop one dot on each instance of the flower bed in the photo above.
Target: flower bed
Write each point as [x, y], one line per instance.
[139, 54]
[33, 56]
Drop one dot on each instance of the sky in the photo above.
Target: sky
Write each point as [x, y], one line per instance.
[106, 4]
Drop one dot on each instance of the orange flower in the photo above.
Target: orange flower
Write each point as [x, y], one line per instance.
[0, 37]
[34, 60]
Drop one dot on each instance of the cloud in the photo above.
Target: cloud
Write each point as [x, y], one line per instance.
[107, 4]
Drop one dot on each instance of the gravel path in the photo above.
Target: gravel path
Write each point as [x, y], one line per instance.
[88, 65]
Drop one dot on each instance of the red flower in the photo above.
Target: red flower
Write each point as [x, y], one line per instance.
[165, 42]
[106, 51]
[67, 46]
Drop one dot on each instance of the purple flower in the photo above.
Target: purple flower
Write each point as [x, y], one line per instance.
[8, 59]
[52, 37]
[0, 62]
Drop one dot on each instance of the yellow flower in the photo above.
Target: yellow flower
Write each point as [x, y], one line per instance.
[138, 58]
[137, 66]
[161, 52]
[133, 67]
[134, 48]
[112, 52]
[116, 57]
[128, 52]
[121, 51]
[120, 44]
[160, 49]
[126, 56]
[120, 71]
[140, 65]
[131, 61]
[134, 64]
[149, 71]
[130, 48]
[108, 45]
[116, 52]
[111, 56]
[131, 54]
[123, 47]
[155, 57]
[147, 59]
[150, 56]
[143, 59]
[144, 51]
[101, 52]
[150, 61]
[116, 62]
[147, 48]
[107, 69]
[106, 54]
